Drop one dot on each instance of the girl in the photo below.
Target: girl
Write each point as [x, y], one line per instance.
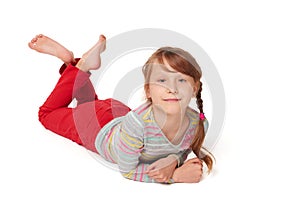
[149, 143]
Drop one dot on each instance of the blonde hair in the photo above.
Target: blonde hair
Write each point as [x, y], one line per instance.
[185, 63]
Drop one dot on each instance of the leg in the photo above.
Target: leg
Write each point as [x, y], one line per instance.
[54, 114]
[82, 123]
[87, 92]
[46, 45]
[91, 59]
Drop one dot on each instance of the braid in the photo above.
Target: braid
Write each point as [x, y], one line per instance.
[185, 63]
[197, 148]
[199, 99]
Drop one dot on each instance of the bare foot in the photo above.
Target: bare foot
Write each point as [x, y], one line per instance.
[44, 44]
[91, 59]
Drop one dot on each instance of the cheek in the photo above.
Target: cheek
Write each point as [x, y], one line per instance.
[187, 90]
[188, 95]
[158, 87]
[153, 91]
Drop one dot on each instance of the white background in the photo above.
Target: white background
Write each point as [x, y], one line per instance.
[255, 47]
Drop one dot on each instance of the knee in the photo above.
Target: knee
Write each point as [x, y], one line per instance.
[42, 113]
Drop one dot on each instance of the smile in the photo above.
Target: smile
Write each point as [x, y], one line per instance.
[172, 100]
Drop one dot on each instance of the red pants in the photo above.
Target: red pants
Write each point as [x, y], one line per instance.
[83, 123]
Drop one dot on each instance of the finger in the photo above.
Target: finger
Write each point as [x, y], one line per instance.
[194, 160]
[153, 173]
[150, 168]
[161, 179]
[200, 168]
[155, 177]
[197, 160]
[159, 175]
[200, 163]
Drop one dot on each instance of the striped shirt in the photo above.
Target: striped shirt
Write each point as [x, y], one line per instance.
[135, 140]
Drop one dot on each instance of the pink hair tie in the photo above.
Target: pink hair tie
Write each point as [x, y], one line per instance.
[202, 116]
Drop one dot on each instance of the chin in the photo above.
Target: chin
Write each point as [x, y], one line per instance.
[173, 110]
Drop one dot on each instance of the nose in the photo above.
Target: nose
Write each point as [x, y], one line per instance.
[172, 88]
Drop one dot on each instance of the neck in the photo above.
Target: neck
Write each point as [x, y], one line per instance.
[169, 122]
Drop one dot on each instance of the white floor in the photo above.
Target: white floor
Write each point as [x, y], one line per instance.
[255, 47]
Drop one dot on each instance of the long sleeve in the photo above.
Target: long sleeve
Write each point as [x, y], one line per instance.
[129, 145]
[135, 141]
[183, 156]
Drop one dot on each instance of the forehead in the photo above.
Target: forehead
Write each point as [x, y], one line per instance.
[164, 68]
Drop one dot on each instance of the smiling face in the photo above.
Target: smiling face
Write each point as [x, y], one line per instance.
[172, 78]
[170, 90]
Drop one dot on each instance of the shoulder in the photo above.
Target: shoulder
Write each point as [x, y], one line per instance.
[133, 121]
[142, 109]
[193, 115]
[143, 112]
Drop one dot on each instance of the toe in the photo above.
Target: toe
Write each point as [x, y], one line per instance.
[102, 37]
[31, 45]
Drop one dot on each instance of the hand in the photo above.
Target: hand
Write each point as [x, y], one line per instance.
[162, 169]
[189, 172]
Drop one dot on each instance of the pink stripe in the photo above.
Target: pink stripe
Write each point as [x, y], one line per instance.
[152, 127]
[191, 130]
[189, 136]
[142, 109]
[105, 146]
[106, 152]
[141, 177]
[135, 174]
[108, 156]
[152, 133]
[139, 107]
[108, 135]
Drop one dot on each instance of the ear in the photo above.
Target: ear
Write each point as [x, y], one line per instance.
[147, 91]
[196, 88]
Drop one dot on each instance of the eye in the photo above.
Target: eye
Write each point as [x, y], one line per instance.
[161, 80]
[182, 80]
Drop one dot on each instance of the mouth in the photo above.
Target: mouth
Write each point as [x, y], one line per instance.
[172, 100]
